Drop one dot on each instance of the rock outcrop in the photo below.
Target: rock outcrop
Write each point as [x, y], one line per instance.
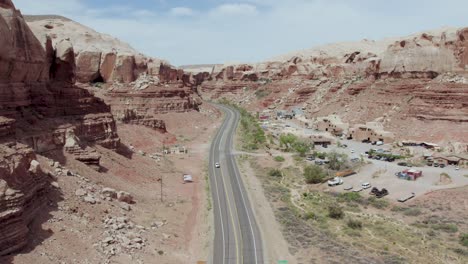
[39, 103]
[420, 77]
[102, 58]
[22, 194]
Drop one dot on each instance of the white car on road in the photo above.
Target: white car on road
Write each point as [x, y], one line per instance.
[217, 165]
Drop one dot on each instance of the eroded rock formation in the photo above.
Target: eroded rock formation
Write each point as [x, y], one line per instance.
[39, 103]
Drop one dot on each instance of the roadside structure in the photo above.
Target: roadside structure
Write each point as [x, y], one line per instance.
[331, 124]
[456, 160]
[371, 131]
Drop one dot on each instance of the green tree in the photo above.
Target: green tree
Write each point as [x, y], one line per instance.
[287, 141]
[337, 161]
[314, 174]
[301, 147]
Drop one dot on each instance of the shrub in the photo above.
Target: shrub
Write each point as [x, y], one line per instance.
[309, 215]
[275, 173]
[279, 158]
[449, 228]
[412, 212]
[301, 147]
[377, 203]
[354, 224]
[350, 197]
[335, 211]
[464, 239]
[314, 174]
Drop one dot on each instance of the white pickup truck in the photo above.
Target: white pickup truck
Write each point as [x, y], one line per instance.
[335, 181]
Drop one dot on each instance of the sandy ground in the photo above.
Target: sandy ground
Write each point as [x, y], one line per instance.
[71, 230]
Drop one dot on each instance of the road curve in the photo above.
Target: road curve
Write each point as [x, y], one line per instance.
[237, 237]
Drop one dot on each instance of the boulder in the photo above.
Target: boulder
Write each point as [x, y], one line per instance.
[125, 197]
[109, 192]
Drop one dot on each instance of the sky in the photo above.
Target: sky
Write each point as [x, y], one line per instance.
[227, 31]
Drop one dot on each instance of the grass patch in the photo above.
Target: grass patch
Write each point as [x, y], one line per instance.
[464, 239]
[350, 197]
[448, 228]
[279, 159]
[252, 135]
[354, 224]
[378, 203]
[335, 212]
[275, 173]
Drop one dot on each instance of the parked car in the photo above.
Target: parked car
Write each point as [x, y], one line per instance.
[374, 143]
[457, 168]
[366, 185]
[310, 158]
[374, 191]
[366, 141]
[436, 164]
[441, 165]
[379, 143]
[217, 165]
[335, 181]
[319, 162]
[352, 151]
[344, 146]
[405, 164]
[354, 159]
[381, 193]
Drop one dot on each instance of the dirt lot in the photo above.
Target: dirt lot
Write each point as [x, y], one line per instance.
[73, 228]
[427, 227]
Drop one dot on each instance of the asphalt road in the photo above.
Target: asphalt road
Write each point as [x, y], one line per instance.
[237, 236]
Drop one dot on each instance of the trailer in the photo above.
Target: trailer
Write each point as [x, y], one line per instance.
[406, 198]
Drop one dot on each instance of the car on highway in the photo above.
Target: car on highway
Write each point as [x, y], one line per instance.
[336, 181]
[217, 165]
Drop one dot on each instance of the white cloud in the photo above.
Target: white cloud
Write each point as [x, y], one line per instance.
[182, 11]
[235, 9]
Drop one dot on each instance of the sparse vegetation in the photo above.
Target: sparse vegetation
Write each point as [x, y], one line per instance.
[313, 174]
[350, 197]
[464, 239]
[449, 228]
[261, 93]
[335, 212]
[279, 158]
[377, 203]
[253, 136]
[275, 173]
[354, 224]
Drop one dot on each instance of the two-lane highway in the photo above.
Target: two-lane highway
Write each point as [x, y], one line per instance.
[237, 236]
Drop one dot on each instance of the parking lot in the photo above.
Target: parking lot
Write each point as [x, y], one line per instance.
[381, 174]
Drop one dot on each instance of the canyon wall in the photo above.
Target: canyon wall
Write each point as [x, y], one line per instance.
[137, 87]
[41, 109]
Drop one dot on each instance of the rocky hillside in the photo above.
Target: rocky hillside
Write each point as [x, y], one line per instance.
[420, 79]
[41, 110]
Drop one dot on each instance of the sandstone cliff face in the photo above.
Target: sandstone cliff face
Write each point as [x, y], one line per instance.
[39, 105]
[102, 58]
